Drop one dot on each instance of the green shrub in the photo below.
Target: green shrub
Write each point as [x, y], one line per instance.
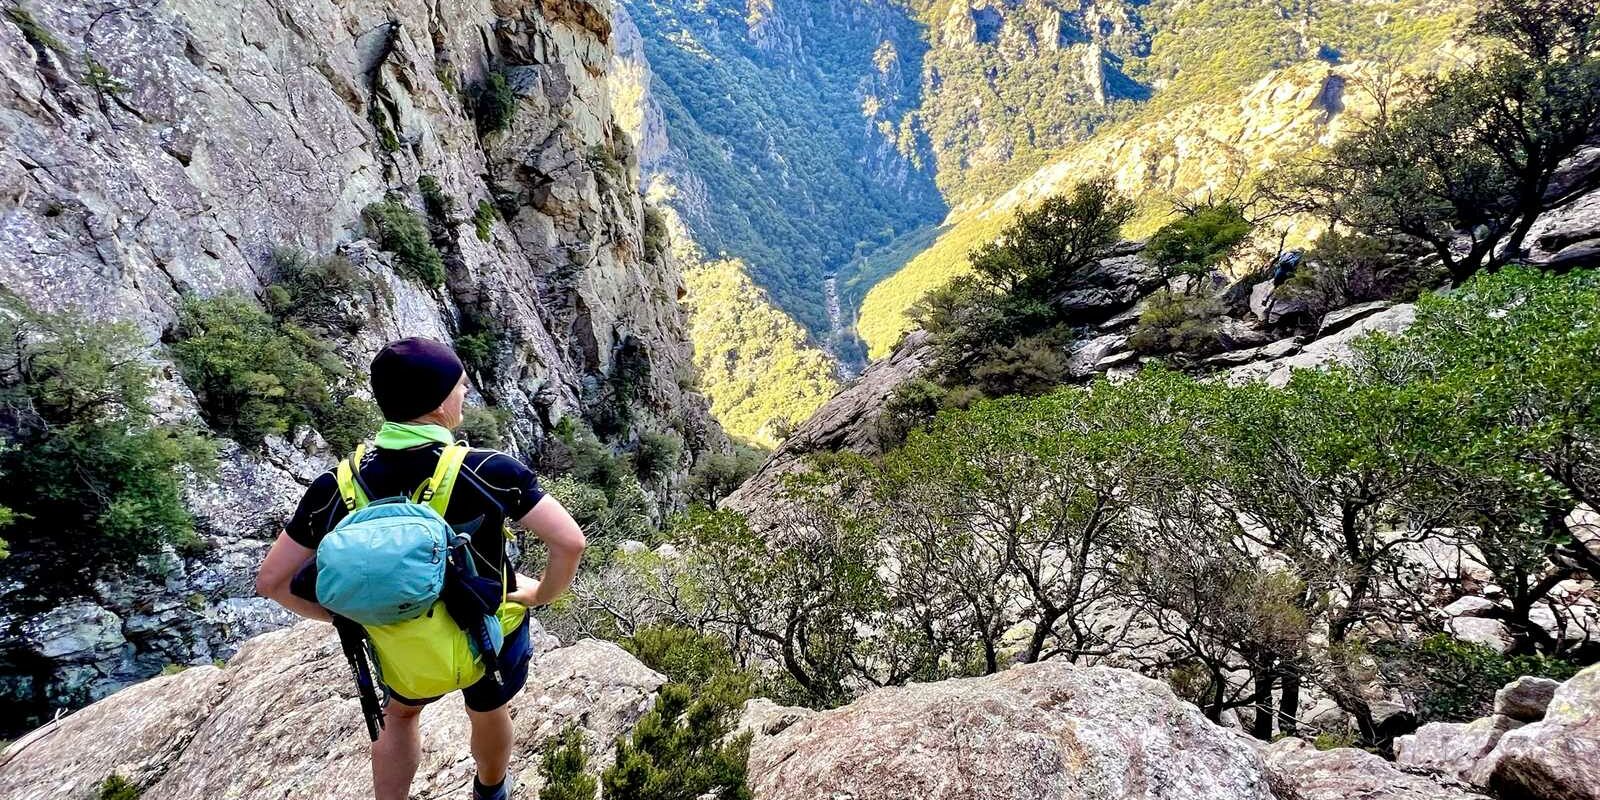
[683, 748]
[1342, 269]
[483, 220]
[252, 377]
[93, 481]
[497, 103]
[683, 654]
[477, 350]
[37, 35]
[655, 231]
[400, 231]
[716, 475]
[325, 294]
[117, 787]
[440, 206]
[100, 79]
[657, 455]
[1179, 324]
[607, 515]
[1030, 366]
[912, 404]
[348, 422]
[565, 768]
[486, 427]
[1200, 240]
[609, 170]
[1455, 681]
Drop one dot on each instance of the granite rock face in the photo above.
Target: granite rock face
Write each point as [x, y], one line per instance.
[1557, 758]
[1047, 730]
[158, 150]
[1302, 772]
[282, 720]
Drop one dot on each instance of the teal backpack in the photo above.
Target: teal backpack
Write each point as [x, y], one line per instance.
[396, 575]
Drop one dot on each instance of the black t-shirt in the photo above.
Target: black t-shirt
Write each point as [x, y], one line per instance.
[491, 488]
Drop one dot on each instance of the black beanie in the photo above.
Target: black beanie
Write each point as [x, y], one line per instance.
[413, 376]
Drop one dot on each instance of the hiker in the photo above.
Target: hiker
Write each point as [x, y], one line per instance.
[420, 386]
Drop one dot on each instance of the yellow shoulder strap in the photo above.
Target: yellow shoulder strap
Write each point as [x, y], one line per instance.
[436, 491]
[345, 474]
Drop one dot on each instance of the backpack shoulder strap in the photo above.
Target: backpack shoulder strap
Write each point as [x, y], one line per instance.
[350, 488]
[437, 489]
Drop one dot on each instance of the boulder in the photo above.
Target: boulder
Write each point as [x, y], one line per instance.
[1045, 730]
[1302, 772]
[1115, 360]
[1237, 335]
[1490, 633]
[1088, 353]
[1269, 307]
[1470, 606]
[1341, 318]
[1526, 698]
[1112, 284]
[1333, 349]
[1452, 749]
[282, 720]
[1557, 758]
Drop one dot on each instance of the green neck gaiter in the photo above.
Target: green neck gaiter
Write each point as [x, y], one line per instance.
[403, 435]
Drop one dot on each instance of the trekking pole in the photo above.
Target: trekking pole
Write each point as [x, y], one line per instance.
[350, 638]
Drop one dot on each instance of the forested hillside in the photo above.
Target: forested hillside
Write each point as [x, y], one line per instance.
[788, 139]
[1235, 87]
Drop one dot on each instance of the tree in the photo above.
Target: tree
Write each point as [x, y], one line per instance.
[1200, 240]
[1475, 156]
[1513, 363]
[1045, 247]
[93, 480]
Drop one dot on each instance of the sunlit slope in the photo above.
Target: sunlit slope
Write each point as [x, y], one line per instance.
[1296, 84]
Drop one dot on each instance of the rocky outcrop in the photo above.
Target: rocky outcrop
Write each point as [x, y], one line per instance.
[1047, 730]
[846, 423]
[159, 150]
[281, 720]
[1557, 758]
[1332, 349]
[1453, 749]
[1302, 772]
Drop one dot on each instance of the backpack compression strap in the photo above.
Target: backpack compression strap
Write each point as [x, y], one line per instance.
[350, 488]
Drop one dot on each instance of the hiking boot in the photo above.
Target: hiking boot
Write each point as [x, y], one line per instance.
[501, 792]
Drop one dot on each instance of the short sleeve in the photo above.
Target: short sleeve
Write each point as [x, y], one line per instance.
[514, 485]
[318, 511]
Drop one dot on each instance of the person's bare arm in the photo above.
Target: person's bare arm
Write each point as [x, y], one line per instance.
[555, 527]
[279, 567]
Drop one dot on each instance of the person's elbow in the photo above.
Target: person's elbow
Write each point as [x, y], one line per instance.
[270, 586]
[573, 543]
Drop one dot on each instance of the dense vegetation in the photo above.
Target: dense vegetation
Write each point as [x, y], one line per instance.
[1151, 505]
[794, 139]
[92, 477]
[757, 367]
[258, 374]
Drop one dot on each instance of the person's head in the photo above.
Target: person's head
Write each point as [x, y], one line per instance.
[419, 380]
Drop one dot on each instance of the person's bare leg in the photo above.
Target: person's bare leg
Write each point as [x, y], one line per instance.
[397, 752]
[491, 743]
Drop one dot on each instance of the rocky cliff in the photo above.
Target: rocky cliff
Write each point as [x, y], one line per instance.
[153, 152]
